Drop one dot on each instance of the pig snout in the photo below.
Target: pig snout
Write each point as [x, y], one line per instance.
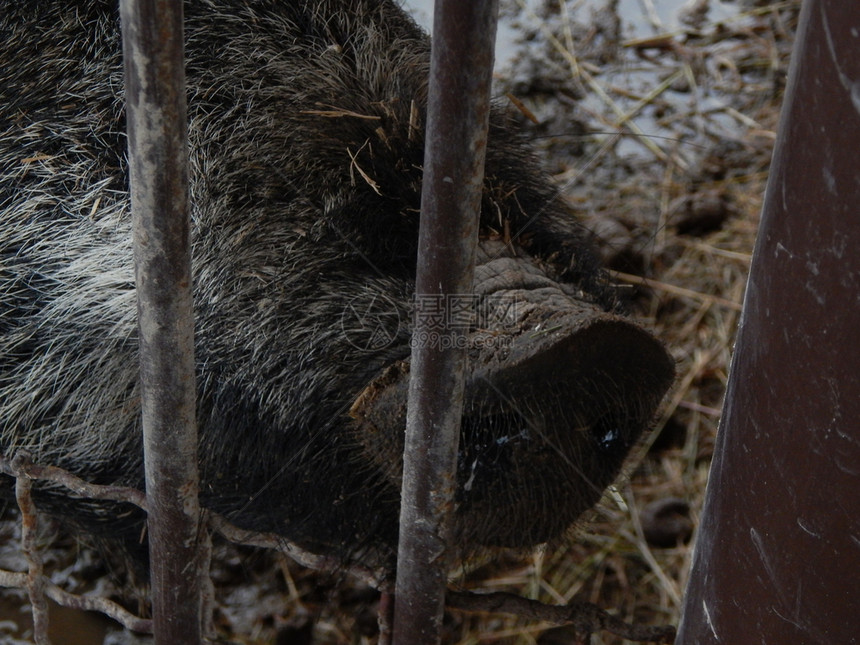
[557, 392]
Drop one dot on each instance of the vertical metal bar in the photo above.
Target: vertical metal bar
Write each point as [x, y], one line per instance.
[777, 558]
[158, 164]
[457, 122]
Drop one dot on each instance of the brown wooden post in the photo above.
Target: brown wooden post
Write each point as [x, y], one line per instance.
[777, 557]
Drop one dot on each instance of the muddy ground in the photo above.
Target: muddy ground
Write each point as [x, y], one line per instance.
[658, 135]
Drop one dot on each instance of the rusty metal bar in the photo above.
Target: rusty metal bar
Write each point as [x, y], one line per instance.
[457, 121]
[153, 50]
[777, 557]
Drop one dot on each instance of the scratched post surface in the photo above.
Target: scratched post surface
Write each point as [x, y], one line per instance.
[778, 552]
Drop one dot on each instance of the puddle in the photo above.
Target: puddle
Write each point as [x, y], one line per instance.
[66, 626]
[644, 82]
[640, 18]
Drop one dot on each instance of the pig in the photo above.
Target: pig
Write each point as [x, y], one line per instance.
[305, 124]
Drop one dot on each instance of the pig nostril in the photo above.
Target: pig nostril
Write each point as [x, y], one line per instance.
[610, 439]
